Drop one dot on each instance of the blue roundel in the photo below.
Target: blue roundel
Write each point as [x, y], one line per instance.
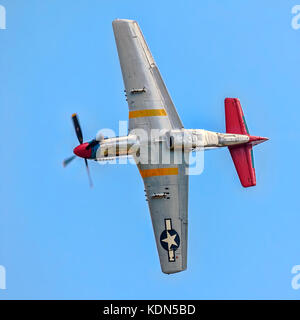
[169, 240]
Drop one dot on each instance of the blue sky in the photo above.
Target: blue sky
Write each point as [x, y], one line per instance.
[59, 239]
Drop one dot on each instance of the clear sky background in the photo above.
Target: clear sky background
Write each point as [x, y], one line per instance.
[59, 239]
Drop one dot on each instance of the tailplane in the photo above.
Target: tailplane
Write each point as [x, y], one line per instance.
[242, 155]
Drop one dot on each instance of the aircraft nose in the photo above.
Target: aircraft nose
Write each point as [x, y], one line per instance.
[82, 152]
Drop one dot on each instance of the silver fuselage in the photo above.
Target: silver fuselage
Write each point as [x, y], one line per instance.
[180, 139]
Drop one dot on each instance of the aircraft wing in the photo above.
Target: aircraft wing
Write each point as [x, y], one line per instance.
[166, 189]
[150, 105]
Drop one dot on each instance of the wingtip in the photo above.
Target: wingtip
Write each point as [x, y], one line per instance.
[122, 20]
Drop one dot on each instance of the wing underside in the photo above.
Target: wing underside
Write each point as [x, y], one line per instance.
[167, 194]
[150, 105]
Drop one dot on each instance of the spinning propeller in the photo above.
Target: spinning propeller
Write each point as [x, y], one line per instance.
[83, 150]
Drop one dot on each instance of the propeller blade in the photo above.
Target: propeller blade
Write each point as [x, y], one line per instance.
[88, 172]
[68, 160]
[77, 128]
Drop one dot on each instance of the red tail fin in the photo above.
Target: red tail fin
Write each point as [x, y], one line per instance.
[235, 120]
[242, 156]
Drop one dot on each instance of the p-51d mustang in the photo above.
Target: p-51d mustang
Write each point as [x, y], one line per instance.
[151, 107]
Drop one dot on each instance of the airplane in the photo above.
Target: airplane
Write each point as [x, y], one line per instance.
[151, 109]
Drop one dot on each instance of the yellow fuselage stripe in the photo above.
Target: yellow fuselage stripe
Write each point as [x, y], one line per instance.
[147, 113]
[158, 172]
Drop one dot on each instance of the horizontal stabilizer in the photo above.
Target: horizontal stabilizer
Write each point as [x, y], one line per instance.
[242, 157]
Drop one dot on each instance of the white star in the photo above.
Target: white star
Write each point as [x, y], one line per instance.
[170, 240]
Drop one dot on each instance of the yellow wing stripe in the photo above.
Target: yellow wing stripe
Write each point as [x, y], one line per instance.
[158, 172]
[147, 113]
